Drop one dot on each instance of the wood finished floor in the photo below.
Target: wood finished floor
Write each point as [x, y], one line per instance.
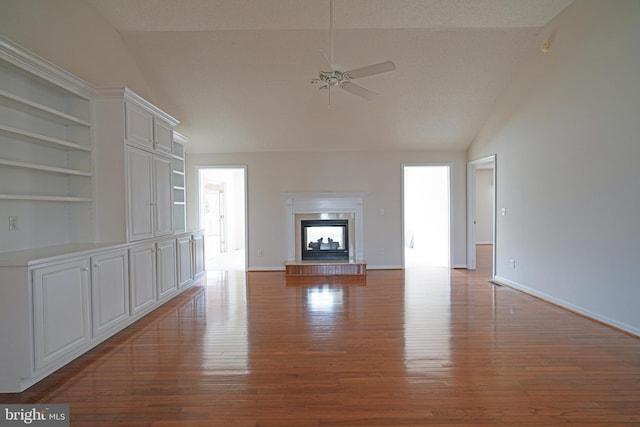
[401, 348]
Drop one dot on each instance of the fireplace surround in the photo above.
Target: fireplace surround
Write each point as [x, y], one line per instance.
[325, 206]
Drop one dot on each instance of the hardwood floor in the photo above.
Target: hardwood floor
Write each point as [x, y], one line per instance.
[397, 348]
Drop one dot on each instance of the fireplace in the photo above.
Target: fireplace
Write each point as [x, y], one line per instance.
[342, 211]
[324, 239]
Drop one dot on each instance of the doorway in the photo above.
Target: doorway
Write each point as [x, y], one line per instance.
[481, 211]
[426, 215]
[222, 213]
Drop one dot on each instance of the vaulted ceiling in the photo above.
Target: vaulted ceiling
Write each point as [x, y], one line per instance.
[237, 72]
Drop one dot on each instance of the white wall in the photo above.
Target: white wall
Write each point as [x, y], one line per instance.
[566, 135]
[484, 206]
[378, 174]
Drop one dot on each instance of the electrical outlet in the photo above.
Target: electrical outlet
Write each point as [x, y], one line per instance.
[13, 223]
[512, 263]
[260, 253]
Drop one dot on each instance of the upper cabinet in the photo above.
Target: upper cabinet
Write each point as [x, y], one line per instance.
[138, 125]
[147, 129]
[46, 164]
[163, 136]
[136, 141]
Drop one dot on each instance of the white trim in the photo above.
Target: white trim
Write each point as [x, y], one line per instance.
[258, 269]
[23, 58]
[471, 209]
[566, 305]
[130, 96]
[384, 267]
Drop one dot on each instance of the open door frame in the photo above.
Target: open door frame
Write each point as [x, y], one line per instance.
[246, 200]
[449, 167]
[471, 211]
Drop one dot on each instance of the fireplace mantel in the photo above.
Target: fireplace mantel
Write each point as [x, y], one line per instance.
[324, 203]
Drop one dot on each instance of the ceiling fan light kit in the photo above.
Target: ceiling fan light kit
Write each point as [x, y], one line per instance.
[335, 75]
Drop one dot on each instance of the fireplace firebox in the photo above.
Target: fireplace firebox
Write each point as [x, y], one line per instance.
[325, 239]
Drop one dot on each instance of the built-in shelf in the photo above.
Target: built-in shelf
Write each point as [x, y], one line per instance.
[44, 198]
[178, 181]
[43, 168]
[46, 150]
[31, 107]
[42, 139]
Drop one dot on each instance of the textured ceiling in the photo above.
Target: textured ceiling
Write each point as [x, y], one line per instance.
[237, 72]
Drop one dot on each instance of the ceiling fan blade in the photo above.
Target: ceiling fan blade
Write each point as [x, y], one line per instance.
[370, 70]
[358, 90]
[321, 60]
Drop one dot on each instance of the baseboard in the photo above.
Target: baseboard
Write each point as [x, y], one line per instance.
[569, 307]
[279, 268]
[459, 266]
[369, 267]
[484, 243]
[384, 267]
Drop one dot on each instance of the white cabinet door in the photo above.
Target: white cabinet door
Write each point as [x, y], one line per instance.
[185, 261]
[142, 263]
[138, 125]
[61, 310]
[167, 268]
[109, 290]
[140, 194]
[198, 254]
[163, 203]
[163, 136]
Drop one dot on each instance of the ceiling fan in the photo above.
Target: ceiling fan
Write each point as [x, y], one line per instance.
[334, 75]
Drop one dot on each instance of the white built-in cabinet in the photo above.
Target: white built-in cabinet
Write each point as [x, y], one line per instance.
[185, 260]
[61, 310]
[149, 192]
[167, 268]
[142, 261]
[144, 128]
[163, 202]
[109, 290]
[92, 185]
[198, 254]
[56, 303]
[141, 145]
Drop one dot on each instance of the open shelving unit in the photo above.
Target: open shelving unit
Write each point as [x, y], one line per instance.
[46, 163]
[178, 183]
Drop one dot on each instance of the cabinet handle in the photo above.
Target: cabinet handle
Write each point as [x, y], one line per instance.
[96, 265]
[84, 269]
